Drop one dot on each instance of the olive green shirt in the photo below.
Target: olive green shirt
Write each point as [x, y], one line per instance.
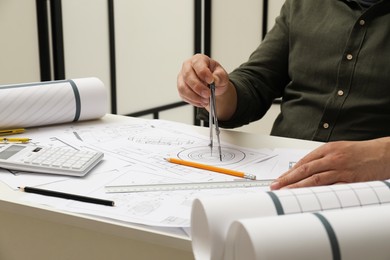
[329, 61]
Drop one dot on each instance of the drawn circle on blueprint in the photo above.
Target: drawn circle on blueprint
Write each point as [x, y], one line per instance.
[203, 155]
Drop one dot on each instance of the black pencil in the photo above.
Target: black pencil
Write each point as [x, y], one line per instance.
[67, 196]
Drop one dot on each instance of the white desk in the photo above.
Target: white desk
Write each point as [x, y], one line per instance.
[31, 231]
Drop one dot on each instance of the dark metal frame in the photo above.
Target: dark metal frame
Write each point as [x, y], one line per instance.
[202, 37]
[265, 18]
[111, 32]
[43, 21]
[43, 40]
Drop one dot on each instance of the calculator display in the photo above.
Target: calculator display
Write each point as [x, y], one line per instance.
[11, 150]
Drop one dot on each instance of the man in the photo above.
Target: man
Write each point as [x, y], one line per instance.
[329, 62]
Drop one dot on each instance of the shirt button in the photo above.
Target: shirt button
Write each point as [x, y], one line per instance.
[362, 22]
[340, 92]
[325, 125]
[349, 56]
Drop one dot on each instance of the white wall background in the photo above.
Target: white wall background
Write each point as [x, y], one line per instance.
[153, 38]
[236, 32]
[19, 60]
[86, 44]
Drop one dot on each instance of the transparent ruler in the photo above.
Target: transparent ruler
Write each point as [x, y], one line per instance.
[188, 186]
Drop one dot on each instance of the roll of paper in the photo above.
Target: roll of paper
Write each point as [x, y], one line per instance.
[211, 217]
[349, 234]
[52, 102]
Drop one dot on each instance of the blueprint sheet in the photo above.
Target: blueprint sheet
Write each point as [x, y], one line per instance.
[134, 152]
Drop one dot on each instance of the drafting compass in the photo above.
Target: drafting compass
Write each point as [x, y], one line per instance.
[214, 120]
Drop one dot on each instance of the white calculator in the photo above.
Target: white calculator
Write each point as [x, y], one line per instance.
[63, 161]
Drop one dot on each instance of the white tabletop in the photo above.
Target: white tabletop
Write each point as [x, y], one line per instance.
[35, 231]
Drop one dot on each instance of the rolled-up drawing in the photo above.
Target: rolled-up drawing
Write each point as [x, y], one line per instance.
[349, 234]
[52, 102]
[211, 217]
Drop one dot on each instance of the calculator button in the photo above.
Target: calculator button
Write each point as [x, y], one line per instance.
[56, 164]
[66, 165]
[77, 166]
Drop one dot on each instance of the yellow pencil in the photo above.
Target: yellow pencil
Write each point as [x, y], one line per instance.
[211, 168]
[12, 131]
[14, 140]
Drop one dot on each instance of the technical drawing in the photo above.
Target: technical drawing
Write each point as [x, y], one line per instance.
[205, 155]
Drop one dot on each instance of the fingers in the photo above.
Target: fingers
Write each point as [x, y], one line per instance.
[317, 179]
[203, 67]
[313, 173]
[192, 82]
[312, 156]
[195, 76]
[189, 92]
[312, 170]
